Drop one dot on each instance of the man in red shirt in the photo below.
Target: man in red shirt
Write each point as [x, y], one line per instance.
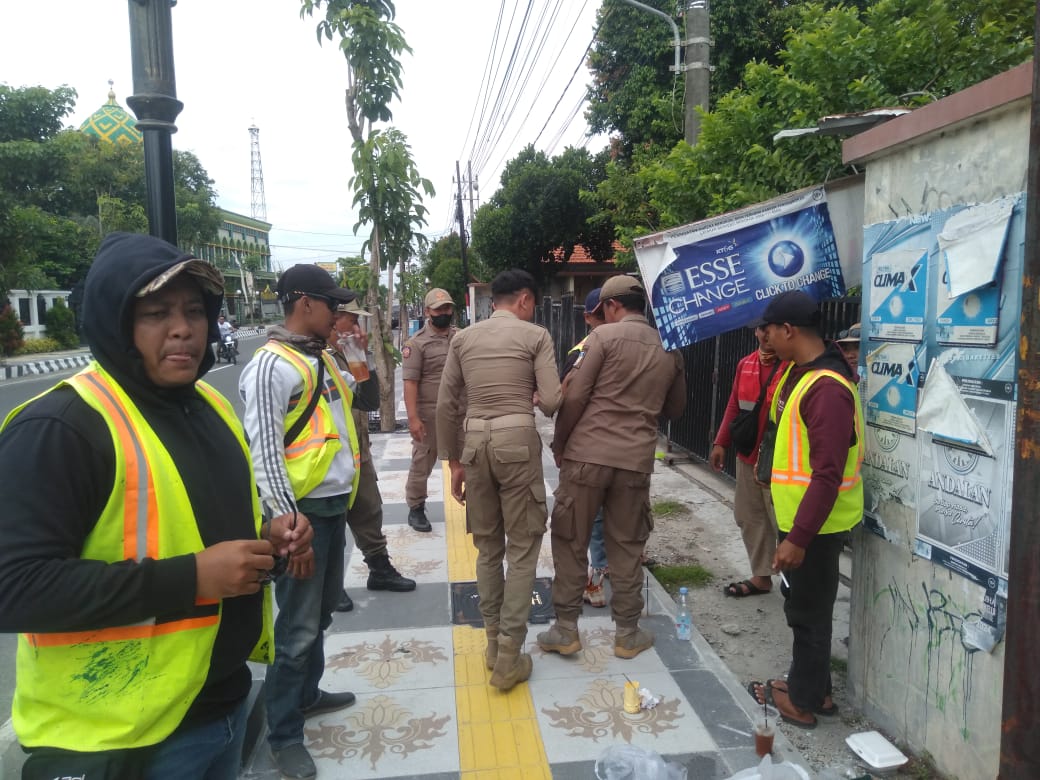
[752, 504]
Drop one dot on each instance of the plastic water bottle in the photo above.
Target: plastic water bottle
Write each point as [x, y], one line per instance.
[683, 621]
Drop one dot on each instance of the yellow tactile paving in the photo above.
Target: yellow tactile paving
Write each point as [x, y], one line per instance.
[462, 555]
[498, 732]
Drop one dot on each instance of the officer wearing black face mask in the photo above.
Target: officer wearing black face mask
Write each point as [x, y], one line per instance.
[424, 356]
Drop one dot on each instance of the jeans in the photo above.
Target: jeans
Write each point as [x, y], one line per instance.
[597, 549]
[809, 608]
[208, 751]
[304, 612]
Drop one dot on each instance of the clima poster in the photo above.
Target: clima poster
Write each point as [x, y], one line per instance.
[893, 371]
[898, 293]
[964, 494]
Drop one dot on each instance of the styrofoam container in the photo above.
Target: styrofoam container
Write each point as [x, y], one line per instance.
[878, 752]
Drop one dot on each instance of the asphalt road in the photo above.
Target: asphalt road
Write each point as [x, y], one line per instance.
[13, 392]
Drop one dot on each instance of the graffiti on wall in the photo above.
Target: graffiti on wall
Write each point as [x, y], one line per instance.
[942, 623]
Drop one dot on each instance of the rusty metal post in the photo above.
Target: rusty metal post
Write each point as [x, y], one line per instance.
[1019, 746]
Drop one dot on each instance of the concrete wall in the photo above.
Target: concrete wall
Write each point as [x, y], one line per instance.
[907, 666]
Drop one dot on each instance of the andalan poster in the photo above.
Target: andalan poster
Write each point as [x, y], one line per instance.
[718, 275]
[965, 490]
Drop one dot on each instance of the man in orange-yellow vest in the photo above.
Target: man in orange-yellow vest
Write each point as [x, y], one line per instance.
[817, 495]
[307, 460]
[134, 555]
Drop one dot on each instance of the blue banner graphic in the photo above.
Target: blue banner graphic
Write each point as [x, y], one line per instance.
[718, 275]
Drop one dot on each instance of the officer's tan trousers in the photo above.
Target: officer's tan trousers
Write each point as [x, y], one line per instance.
[753, 511]
[424, 456]
[365, 518]
[627, 521]
[505, 512]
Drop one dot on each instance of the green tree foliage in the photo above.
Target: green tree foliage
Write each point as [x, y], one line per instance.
[635, 95]
[61, 190]
[836, 60]
[544, 208]
[33, 113]
[60, 323]
[11, 334]
[388, 193]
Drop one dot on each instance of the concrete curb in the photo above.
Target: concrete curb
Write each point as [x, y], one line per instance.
[44, 366]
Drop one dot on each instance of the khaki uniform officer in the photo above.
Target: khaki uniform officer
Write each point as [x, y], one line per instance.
[497, 366]
[605, 438]
[424, 355]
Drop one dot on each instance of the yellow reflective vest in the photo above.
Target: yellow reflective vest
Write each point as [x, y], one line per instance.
[792, 471]
[309, 456]
[127, 686]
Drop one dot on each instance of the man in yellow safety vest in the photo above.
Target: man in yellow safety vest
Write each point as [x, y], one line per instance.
[817, 495]
[134, 554]
[307, 460]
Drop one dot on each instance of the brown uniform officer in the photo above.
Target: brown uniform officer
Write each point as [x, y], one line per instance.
[605, 438]
[497, 366]
[424, 355]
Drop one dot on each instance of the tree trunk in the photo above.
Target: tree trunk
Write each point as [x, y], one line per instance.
[380, 325]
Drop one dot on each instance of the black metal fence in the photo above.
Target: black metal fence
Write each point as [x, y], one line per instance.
[710, 367]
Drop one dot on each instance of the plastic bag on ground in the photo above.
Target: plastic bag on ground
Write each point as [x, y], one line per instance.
[628, 762]
[767, 770]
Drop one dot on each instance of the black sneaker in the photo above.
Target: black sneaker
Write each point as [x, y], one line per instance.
[346, 604]
[328, 702]
[417, 519]
[295, 762]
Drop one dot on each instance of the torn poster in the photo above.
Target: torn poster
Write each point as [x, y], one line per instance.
[972, 242]
[889, 482]
[945, 414]
[965, 496]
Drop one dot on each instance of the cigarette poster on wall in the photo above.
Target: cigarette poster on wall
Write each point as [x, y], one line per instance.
[898, 293]
[893, 371]
[889, 472]
[965, 489]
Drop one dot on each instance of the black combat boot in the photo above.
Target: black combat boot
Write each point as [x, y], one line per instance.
[383, 576]
[417, 519]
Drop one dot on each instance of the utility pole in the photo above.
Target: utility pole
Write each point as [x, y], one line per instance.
[696, 68]
[462, 240]
[471, 185]
[1019, 747]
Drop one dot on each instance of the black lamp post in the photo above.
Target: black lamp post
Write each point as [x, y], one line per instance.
[155, 103]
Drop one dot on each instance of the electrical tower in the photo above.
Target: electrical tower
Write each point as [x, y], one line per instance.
[259, 202]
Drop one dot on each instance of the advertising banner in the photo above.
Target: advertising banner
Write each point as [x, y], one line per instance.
[718, 275]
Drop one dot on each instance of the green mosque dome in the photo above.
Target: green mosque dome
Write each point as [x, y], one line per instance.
[112, 123]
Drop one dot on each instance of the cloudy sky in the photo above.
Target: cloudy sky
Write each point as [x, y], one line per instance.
[240, 62]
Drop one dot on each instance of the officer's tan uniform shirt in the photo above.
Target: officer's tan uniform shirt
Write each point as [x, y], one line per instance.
[488, 373]
[424, 355]
[619, 388]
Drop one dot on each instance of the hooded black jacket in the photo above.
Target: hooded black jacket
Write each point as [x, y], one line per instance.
[57, 470]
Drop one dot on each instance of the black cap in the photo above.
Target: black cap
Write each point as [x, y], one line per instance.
[793, 307]
[305, 279]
